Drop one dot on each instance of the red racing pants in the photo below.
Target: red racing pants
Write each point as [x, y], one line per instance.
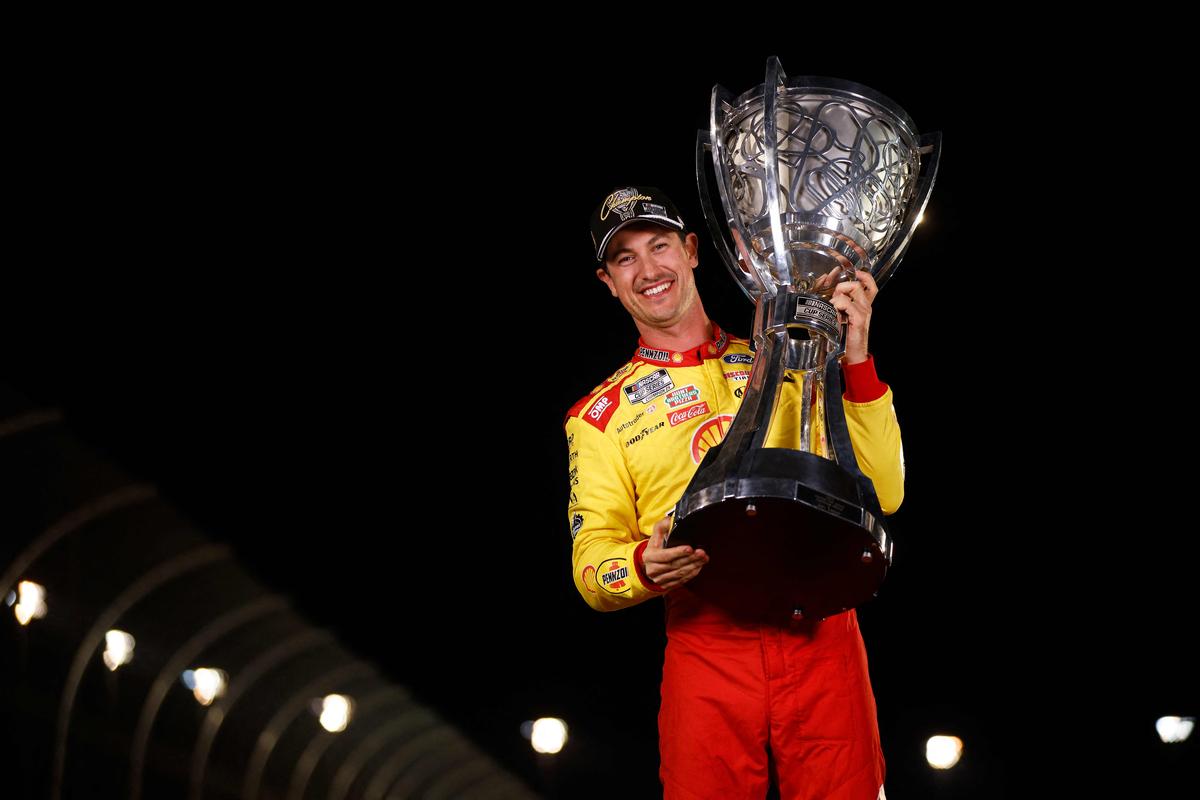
[742, 704]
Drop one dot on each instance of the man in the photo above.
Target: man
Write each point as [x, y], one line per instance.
[741, 705]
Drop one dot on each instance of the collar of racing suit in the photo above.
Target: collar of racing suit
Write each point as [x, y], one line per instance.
[684, 358]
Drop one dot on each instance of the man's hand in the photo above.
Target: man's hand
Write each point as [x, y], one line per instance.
[672, 566]
[853, 299]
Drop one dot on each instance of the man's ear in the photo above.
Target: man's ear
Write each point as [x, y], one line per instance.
[691, 244]
[603, 275]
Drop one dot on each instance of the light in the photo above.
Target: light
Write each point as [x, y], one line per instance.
[31, 602]
[1174, 729]
[548, 735]
[335, 712]
[943, 752]
[206, 684]
[118, 649]
[920, 219]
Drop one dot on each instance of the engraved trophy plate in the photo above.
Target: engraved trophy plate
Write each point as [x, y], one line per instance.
[817, 177]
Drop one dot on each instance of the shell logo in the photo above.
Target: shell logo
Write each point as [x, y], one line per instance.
[709, 435]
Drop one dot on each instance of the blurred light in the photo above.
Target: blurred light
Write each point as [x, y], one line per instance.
[118, 649]
[206, 684]
[335, 712]
[548, 735]
[920, 218]
[943, 752]
[1174, 729]
[10, 599]
[31, 603]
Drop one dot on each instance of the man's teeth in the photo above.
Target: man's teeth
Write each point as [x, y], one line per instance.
[657, 289]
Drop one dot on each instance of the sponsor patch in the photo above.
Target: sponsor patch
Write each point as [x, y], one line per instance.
[682, 396]
[649, 387]
[740, 375]
[630, 423]
[643, 433]
[576, 525]
[573, 476]
[598, 408]
[685, 414]
[613, 576]
[739, 391]
[709, 435]
[654, 355]
[738, 358]
[589, 578]
[574, 501]
[625, 370]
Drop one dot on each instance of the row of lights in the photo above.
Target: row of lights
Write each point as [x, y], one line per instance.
[546, 735]
[206, 684]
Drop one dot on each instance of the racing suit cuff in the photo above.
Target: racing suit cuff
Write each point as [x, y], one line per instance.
[640, 568]
[862, 384]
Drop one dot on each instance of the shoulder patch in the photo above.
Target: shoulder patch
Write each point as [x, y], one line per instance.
[598, 407]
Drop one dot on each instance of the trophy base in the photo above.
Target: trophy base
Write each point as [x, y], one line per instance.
[781, 549]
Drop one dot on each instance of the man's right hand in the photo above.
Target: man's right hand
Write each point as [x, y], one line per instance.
[670, 567]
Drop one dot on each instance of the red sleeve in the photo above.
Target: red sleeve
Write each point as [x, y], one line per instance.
[862, 384]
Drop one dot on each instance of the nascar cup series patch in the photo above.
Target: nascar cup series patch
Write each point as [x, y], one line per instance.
[649, 387]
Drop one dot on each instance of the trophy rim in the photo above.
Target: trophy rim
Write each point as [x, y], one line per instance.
[823, 83]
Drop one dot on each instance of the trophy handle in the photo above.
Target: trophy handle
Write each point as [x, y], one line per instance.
[839, 433]
[720, 241]
[931, 144]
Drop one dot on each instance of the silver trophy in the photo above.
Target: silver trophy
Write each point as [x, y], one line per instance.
[817, 177]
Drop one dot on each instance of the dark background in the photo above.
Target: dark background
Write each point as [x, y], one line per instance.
[334, 303]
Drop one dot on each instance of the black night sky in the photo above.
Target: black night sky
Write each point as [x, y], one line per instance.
[335, 308]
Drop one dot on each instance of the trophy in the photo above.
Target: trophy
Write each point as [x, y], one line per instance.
[818, 177]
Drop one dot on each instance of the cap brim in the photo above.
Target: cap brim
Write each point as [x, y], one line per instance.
[666, 222]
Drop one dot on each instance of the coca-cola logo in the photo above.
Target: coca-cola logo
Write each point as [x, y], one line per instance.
[684, 414]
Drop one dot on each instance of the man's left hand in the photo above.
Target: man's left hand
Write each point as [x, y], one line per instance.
[853, 300]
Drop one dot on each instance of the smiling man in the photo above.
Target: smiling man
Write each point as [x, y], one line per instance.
[742, 705]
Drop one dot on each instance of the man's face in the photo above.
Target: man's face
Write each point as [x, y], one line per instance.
[650, 272]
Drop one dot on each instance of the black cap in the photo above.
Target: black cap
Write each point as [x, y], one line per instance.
[628, 205]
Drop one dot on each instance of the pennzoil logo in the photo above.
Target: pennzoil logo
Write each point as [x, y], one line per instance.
[738, 358]
[685, 414]
[709, 435]
[683, 396]
[649, 387]
[621, 203]
[654, 355]
[613, 576]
